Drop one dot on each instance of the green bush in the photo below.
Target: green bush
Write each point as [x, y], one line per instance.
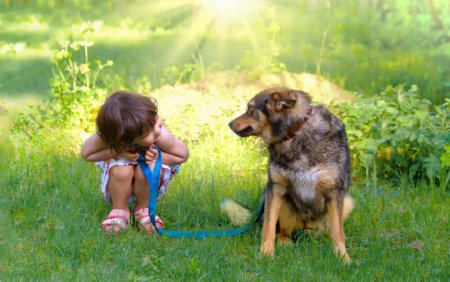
[397, 133]
[75, 96]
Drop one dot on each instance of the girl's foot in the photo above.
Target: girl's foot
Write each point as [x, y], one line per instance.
[117, 220]
[143, 221]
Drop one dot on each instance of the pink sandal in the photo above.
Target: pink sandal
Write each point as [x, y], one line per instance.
[117, 220]
[143, 221]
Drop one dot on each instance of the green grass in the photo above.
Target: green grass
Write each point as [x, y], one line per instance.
[53, 210]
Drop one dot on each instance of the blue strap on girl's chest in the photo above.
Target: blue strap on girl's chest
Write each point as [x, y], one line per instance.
[153, 183]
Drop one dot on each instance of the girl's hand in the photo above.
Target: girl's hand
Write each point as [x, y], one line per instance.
[151, 156]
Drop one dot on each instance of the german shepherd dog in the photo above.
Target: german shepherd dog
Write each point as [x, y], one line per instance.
[309, 166]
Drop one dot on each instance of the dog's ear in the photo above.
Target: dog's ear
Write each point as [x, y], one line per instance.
[280, 101]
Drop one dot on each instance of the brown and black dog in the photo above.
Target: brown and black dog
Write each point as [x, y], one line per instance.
[309, 165]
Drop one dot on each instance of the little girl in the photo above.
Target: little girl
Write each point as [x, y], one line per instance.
[125, 120]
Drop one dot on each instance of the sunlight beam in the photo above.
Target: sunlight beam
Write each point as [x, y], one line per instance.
[213, 20]
[229, 11]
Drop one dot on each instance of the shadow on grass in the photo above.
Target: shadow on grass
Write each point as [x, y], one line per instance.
[32, 38]
[22, 77]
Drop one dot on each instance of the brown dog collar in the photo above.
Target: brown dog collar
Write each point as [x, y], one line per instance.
[291, 134]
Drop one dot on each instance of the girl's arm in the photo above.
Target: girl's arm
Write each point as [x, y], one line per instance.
[174, 151]
[95, 150]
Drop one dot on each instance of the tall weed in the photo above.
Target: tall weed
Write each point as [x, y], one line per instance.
[75, 96]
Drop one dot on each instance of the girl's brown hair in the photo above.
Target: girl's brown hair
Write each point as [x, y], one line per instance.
[124, 117]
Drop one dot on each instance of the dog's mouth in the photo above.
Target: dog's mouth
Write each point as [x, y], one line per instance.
[244, 132]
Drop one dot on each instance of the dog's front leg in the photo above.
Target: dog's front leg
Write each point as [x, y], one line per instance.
[272, 211]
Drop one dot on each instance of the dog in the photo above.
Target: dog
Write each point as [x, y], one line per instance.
[309, 166]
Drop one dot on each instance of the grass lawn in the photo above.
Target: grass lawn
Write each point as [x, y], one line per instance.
[53, 210]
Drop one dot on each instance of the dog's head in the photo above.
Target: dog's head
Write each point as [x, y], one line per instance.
[271, 113]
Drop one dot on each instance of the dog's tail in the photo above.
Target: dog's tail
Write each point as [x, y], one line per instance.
[349, 203]
[237, 214]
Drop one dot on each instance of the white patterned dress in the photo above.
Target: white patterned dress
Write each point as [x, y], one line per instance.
[169, 172]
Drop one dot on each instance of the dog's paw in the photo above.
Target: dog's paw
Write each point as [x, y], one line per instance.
[346, 259]
[285, 241]
[267, 248]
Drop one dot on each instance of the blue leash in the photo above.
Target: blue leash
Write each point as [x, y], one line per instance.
[153, 184]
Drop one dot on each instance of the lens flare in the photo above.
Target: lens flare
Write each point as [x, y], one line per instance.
[210, 27]
[228, 10]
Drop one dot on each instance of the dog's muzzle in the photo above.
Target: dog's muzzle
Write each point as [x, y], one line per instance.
[242, 133]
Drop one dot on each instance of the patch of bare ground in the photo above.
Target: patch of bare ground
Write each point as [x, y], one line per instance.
[229, 90]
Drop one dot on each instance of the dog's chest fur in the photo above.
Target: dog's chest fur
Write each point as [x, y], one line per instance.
[297, 167]
[299, 184]
[302, 182]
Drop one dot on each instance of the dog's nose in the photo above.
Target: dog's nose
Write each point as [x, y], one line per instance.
[232, 127]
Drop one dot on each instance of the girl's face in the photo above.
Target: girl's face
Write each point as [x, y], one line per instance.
[152, 136]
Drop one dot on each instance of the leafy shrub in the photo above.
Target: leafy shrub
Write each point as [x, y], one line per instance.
[75, 97]
[397, 133]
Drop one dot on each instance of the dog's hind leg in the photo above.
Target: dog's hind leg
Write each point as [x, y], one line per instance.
[336, 227]
[271, 213]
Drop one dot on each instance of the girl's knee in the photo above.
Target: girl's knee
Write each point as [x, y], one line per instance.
[122, 172]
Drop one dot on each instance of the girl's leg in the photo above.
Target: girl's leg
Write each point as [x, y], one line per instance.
[120, 185]
[141, 212]
[140, 188]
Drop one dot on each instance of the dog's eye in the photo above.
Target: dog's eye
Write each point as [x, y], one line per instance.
[253, 112]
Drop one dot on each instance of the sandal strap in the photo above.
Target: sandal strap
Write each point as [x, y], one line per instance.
[120, 221]
[117, 217]
[159, 222]
[143, 218]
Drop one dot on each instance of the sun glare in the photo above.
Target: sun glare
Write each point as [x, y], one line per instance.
[220, 20]
[228, 10]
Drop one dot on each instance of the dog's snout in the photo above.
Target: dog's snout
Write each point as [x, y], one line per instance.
[237, 128]
[234, 125]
